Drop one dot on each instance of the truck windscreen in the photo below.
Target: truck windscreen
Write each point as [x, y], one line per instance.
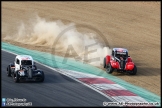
[26, 62]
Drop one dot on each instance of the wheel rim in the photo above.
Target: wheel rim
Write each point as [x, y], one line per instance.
[108, 68]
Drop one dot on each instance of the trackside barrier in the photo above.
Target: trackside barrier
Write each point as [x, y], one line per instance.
[56, 62]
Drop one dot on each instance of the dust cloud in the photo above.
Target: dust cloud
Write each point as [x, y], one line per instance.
[40, 32]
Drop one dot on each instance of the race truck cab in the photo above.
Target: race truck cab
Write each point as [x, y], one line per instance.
[24, 68]
[120, 61]
[25, 60]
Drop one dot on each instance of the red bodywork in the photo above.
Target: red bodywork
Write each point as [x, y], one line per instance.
[115, 64]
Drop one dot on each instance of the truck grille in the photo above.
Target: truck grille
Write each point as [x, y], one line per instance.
[122, 64]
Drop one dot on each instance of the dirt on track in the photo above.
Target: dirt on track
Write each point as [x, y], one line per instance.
[132, 25]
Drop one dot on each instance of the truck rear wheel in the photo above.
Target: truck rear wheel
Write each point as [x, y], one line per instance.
[42, 78]
[109, 68]
[8, 71]
[104, 63]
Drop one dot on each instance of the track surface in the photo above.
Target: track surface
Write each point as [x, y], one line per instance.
[132, 25]
[56, 90]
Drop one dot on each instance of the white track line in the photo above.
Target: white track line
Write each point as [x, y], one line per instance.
[77, 74]
[108, 86]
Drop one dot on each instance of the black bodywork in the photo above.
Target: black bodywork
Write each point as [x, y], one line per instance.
[26, 73]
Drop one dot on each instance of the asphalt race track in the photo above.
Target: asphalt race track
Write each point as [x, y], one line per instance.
[56, 90]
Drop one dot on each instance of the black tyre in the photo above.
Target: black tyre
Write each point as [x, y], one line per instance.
[109, 68]
[30, 73]
[134, 71]
[104, 63]
[42, 78]
[16, 77]
[9, 71]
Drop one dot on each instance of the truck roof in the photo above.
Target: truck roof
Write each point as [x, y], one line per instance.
[120, 49]
[24, 57]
